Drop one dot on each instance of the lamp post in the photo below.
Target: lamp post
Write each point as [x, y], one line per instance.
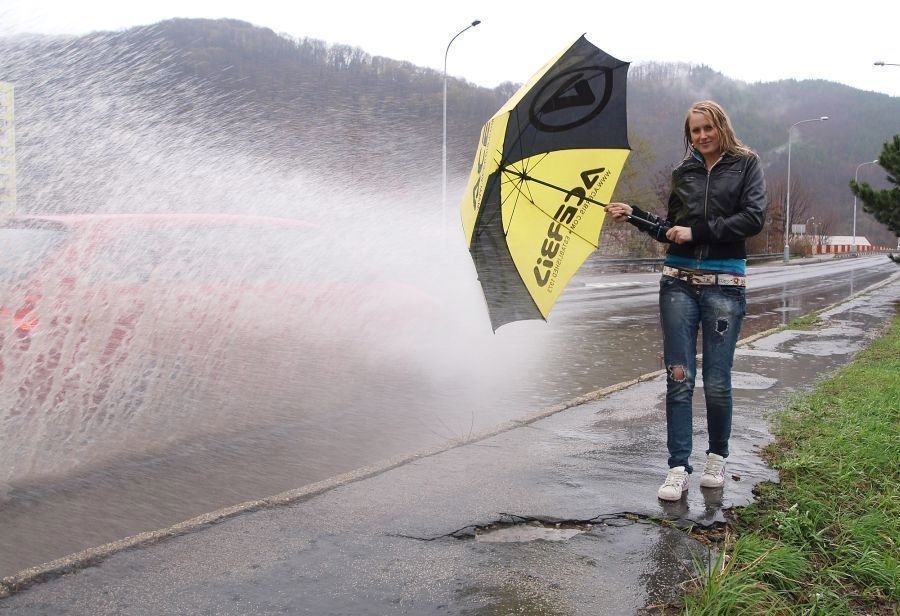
[787, 207]
[444, 142]
[805, 225]
[856, 181]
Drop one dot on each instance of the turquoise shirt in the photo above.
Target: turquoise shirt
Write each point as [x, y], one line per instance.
[728, 266]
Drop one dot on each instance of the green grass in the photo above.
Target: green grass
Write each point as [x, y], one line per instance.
[826, 540]
[809, 321]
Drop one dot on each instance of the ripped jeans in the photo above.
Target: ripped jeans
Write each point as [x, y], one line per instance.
[684, 308]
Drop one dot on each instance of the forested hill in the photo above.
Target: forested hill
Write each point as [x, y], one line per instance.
[335, 111]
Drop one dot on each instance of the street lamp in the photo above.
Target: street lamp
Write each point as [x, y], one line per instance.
[787, 207]
[444, 142]
[813, 235]
[856, 181]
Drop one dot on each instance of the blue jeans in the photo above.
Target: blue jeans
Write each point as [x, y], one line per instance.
[684, 308]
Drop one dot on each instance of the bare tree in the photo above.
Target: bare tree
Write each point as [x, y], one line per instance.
[801, 206]
[826, 223]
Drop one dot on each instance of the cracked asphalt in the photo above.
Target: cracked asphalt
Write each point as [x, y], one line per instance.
[553, 514]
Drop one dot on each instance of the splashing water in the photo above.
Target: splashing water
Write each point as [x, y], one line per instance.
[154, 334]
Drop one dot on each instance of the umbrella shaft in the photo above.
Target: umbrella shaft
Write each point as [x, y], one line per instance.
[554, 186]
[657, 227]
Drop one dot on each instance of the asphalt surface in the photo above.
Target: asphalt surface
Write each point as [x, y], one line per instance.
[554, 514]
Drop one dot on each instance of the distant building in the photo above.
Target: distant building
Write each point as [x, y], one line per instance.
[843, 243]
[838, 240]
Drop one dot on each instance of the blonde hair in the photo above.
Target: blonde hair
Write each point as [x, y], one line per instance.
[730, 143]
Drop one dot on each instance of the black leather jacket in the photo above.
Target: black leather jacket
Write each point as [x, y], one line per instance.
[723, 207]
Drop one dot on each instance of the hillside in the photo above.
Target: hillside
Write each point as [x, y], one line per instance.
[205, 114]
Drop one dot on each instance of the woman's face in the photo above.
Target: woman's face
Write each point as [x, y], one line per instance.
[704, 135]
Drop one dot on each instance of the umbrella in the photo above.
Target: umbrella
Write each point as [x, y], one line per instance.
[545, 164]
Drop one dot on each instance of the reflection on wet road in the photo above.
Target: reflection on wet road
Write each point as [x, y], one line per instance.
[602, 332]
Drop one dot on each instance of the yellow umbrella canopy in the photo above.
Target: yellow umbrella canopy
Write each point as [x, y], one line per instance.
[546, 162]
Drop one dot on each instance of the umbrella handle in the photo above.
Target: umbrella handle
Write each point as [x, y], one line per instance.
[659, 228]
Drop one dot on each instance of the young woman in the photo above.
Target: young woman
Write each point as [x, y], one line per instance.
[718, 200]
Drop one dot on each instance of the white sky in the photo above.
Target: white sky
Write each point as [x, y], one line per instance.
[751, 40]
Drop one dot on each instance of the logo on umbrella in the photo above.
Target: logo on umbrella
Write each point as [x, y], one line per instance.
[552, 108]
[568, 216]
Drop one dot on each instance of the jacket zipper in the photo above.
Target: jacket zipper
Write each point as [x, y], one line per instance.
[706, 204]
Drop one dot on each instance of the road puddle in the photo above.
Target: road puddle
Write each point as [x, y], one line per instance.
[522, 533]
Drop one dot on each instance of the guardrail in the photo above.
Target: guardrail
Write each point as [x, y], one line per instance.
[861, 253]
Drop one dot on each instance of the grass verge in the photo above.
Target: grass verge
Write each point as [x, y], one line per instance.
[826, 540]
[809, 321]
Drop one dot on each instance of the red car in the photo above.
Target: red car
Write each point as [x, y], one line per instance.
[164, 325]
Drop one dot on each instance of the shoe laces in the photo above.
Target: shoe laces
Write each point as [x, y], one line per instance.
[714, 466]
[674, 479]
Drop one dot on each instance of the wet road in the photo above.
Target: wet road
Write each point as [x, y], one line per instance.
[552, 514]
[604, 331]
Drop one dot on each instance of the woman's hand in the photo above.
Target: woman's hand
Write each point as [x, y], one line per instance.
[679, 235]
[619, 211]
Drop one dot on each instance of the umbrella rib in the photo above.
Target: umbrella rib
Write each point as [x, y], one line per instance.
[521, 186]
[528, 178]
[524, 178]
[504, 165]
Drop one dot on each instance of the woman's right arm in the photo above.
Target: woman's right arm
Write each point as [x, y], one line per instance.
[651, 224]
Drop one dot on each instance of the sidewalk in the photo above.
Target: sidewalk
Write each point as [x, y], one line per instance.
[556, 514]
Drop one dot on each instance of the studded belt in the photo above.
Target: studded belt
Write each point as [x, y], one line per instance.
[705, 279]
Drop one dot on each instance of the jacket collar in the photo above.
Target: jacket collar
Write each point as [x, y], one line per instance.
[695, 157]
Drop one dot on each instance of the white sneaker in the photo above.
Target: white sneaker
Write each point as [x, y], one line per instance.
[676, 484]
[714, 474]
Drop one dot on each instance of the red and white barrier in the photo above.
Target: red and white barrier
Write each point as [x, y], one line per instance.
[823, 249]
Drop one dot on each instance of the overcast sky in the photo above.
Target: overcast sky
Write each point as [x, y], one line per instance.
[762, 40]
